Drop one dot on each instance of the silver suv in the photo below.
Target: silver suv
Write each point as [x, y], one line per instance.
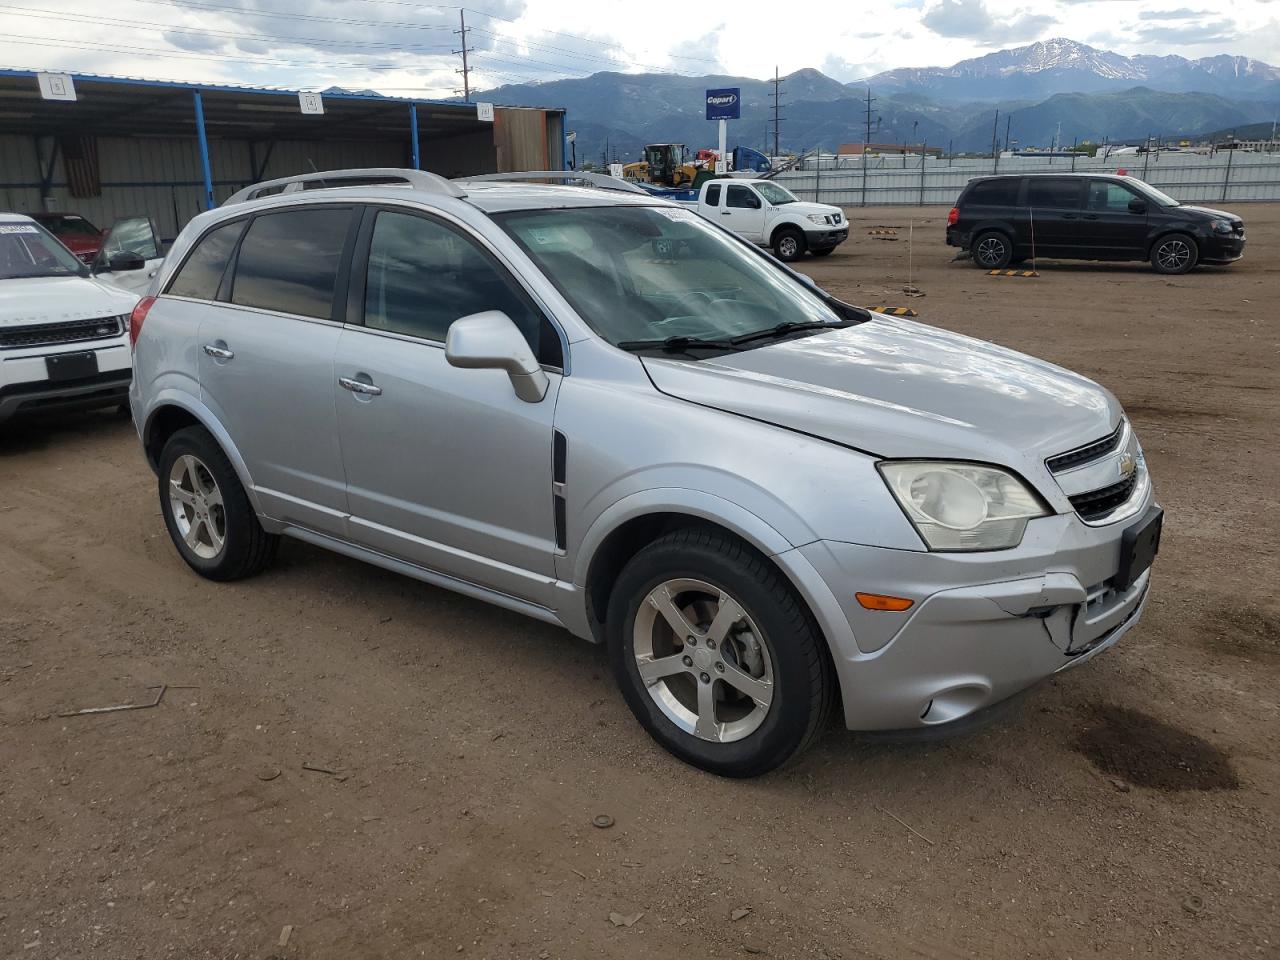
[600, 410]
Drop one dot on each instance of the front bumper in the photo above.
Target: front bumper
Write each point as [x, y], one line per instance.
[25, 387]
[826, 239]
[1221, 249]
[984, 625]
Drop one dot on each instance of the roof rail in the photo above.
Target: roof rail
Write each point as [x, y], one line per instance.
[369, 176]
[601, 180]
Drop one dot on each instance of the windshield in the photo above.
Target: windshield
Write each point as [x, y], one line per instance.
[68, 225]
[1152, 193]
[647, 274]
[28, 251]
[775, 194]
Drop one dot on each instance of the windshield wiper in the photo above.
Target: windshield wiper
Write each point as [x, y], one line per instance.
[678, 344]
[790, 326]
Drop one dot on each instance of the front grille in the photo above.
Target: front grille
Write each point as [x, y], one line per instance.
[45, 334]
[1096, 504]
[1086, 454]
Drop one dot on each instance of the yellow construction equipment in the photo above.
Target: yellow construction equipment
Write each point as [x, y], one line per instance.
[664, 164]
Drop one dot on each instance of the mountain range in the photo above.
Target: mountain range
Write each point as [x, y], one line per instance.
[1093, 94]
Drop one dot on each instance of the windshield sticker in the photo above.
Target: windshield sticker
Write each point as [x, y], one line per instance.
[17, 228]
[541, 236]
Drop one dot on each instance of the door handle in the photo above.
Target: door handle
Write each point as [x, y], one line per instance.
[725, 213]
[1068, 216]
[1091, 216]
[359, 386]
[218, 353]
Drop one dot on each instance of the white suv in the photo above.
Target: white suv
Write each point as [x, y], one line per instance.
[63, 333]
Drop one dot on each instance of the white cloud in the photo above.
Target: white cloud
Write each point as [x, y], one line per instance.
[400, 47]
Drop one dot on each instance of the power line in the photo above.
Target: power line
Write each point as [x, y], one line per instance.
[465, 71]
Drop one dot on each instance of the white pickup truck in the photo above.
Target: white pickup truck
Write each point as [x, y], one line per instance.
[770, 215]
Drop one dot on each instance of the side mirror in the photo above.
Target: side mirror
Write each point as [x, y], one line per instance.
[491, 341]
[125, 261]
[1137, 206]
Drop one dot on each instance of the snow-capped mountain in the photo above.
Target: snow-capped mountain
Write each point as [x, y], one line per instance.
[1060, 66]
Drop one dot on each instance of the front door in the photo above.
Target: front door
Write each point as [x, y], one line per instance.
[743, 212]
[1054, 227]
[446, 467]
[266, 361]
[1115, 221]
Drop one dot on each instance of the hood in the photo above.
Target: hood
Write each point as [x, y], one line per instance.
[1209, 213]
[81, 244]
[29, 300]
[803, 208]
[894, 388]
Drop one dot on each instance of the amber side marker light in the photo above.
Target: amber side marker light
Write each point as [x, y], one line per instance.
[879, 601]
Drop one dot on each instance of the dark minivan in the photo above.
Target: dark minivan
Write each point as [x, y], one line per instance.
[1003, 220]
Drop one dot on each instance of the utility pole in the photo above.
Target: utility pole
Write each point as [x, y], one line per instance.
[866, 142]
[995, 134]
[1008, 121]
[777, 103]
[466, 70]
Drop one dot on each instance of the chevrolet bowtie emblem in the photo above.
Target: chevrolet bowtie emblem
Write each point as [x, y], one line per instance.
[1127, 464]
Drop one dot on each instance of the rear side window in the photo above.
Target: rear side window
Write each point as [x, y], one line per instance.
[1051, 192]
[423, 275]
[993, 193]
[289, 261]
[713, 195]
[201, 274]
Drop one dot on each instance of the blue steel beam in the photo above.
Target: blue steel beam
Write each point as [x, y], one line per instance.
[198, 101]
[413, 133]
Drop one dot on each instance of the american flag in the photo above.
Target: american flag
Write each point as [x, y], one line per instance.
[80, 160]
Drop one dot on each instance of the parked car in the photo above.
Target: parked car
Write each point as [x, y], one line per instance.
[770, 215]
[597, 409]
[1005, 220]
[63, 342]
[76, 233]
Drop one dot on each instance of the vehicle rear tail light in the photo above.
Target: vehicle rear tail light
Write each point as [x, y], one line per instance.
[135, 319]
[953, 216]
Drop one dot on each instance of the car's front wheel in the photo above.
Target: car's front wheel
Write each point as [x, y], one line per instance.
[716, 655]
[206, 509]
[1176, 253]
[992, 250]
[789, 245]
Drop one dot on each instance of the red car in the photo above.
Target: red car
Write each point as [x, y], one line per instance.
[76, 233]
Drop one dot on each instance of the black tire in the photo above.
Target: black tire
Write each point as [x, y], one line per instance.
[246, 548]
[823, 253]
[788, 244]
[991, 250]
[804, 684]
[1174, 253]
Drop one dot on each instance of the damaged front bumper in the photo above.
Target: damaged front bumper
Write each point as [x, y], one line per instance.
[964, 646]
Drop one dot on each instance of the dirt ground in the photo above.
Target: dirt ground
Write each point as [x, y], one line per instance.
[1127, 810]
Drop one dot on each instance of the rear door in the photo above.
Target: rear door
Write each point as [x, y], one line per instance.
[1111, 228]
[1054, 226]
[446, 467]
[743, 212]
[266, 360]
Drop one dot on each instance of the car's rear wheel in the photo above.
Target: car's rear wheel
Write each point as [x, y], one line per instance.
[1176, 253]
[716, 656]
[788, 245]
[206, 509]
[991, 250]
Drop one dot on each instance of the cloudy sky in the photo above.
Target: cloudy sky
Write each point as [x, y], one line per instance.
[406, 48]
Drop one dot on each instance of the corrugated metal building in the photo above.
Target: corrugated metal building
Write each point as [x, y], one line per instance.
[127, 147]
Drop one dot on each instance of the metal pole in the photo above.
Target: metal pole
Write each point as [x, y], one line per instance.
[413, 134]
[1226, 177]
[817, 190]
[924, 155]
[209, 202]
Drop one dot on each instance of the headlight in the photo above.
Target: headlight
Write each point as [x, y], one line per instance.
[962, 506]
[1222, 226]
[818, 218]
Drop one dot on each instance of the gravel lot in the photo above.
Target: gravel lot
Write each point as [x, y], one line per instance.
[1127, 810]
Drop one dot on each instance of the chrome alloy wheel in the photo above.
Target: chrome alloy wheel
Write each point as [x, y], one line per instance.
[197, 507]
[1173, 255]
[788, 247]
[703, 660]
[990, 251]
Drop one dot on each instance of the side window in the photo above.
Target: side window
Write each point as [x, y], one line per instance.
[742, 198]
[713, 195]
[993, 193]
[1109, 197]
[289, 261]
[201, 275]
[1051, 192]
[423, 275]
